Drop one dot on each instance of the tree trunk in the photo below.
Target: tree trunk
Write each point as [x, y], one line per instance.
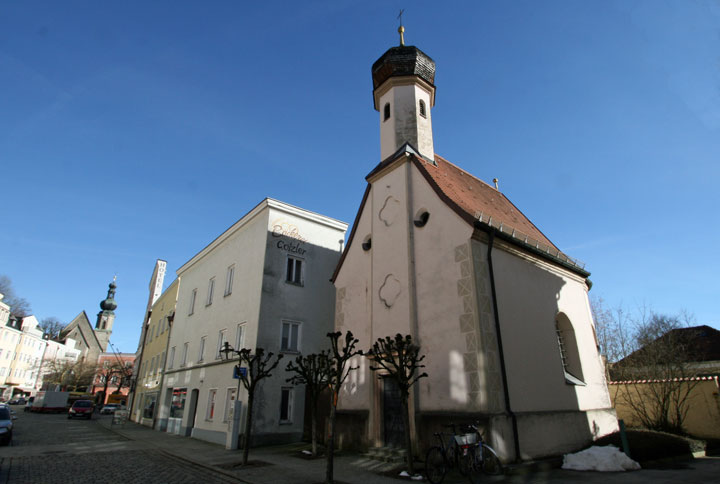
[408, 437]
[248, 426]
[330, 448]
[313, 413]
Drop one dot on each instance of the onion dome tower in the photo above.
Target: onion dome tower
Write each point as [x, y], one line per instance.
[404, 93]
[106, 317]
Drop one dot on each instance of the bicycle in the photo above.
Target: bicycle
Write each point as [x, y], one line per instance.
[480, 457]
[440, 459]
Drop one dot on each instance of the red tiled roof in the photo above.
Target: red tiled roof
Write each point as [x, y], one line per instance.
[472, 196]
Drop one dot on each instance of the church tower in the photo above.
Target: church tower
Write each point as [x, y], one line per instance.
[404, 93]
[106, 317]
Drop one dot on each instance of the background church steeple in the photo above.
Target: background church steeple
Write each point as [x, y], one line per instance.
[106, 317]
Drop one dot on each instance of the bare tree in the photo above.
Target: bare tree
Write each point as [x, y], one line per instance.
[399, 359]
[342, 351]
[69, 375]
[613, 329]
[51, 326]
[19, 307]
[657, 375]
[115, 373]
[258, 367]
[313, 371]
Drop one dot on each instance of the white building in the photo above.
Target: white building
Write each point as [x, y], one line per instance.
[502, 315]
[24, 352]
[264, 282]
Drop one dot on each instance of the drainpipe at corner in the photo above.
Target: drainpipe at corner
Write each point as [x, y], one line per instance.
[501, 353]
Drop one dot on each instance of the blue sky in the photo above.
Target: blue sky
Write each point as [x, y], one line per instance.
[131, 131]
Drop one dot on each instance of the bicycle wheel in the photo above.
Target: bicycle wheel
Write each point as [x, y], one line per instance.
[435, 465]
[491, 464]
[473, 464]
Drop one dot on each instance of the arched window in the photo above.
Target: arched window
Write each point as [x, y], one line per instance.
[422, 109]
[569, 353]
[386, 112]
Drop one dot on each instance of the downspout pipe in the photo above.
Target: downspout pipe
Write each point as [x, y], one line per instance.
[503, 370]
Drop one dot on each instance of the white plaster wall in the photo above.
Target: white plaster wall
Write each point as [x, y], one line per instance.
[353, 308]
[260, 299]
[246, 249]
[440, 306]
[390, 262]
[405, 123]
[312, 304]
[529, 298]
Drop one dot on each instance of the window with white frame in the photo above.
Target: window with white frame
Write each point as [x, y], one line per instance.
[286, 404]
[229, 279]
[171, 359]
[193, 296]
[240, 336]
[290, 340]
[211, 405]
[211, 290]
[201, 351]
[294, 273]
[222, 334]
[184, 355]
[162, 362]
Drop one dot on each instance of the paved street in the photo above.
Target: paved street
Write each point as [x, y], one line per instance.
[52, 449]
[49, 449]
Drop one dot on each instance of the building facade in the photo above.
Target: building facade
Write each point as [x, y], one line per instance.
[113, 377]
[502, 315]
[263, 283]
[153, 353]
[154, 291]
[22, 346]
[26, 355]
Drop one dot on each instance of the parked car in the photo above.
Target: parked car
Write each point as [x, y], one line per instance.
[109, 408]
[17, 401]
[28, 404]
[6, 424]
[82, 408]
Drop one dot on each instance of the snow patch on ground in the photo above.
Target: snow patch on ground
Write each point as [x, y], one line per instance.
[416, 477]
[602, 459]
[307, 452]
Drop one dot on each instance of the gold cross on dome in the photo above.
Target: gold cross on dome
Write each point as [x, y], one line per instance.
[401, 29]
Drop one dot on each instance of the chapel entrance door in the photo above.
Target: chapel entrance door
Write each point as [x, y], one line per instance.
[393, 426]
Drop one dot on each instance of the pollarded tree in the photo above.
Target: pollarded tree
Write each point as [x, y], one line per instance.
[342, 351]
[399, 359]
[258, 366]
[313, 371]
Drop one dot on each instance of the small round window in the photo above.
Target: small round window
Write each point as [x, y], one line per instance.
[421, 218]
[367, 243]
